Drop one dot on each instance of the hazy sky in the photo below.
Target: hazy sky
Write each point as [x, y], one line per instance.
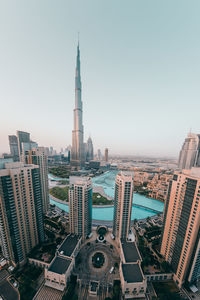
[140, 68]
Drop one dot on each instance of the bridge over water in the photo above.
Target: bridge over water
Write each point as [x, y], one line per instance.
[148, 208]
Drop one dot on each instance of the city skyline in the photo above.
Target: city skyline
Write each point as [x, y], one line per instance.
[128, 53]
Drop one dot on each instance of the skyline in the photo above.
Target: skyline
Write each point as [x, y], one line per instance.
[146, 58]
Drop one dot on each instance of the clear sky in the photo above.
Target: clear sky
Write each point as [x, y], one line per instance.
[140, 68]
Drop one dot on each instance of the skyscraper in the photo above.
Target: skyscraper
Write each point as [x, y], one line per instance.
[99, 154]
[21, 220]
[122, 205]
[106, 155]
[80, 206]
[90, 151]
[78, 153]
[24, 144]
[190, 153]
[38, 157]
[181, 230]
[14, 147]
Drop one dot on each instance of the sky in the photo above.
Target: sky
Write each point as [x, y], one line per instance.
[140, 70]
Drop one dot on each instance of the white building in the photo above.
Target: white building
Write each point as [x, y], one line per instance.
[58, 273]
[80, 206]
[190, 153]
[122, 204]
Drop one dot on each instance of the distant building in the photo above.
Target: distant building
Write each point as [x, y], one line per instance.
[99, 154]
[22, 137]
[78, 148]
[180, 244]
[21, 220]
[14, 147]
[94, 164]
[190, 153]
[80, 206]
[38, 157]
[89, 150]
[106, 155]
[122, 205]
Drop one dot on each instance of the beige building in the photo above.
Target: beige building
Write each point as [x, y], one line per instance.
[181, 230]
[122, 205]
[80, 206]
[58, 273]
[132, 279]
[21, 220]
[37, 156]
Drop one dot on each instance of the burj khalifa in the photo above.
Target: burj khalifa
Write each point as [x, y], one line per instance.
[78, 147]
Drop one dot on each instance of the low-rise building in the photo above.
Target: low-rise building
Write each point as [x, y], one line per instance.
[58, 273]
[133, 281]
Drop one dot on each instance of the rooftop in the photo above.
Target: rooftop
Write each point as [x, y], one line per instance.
[68, 245]
[132, 273]
[59, 265]
[131, 253]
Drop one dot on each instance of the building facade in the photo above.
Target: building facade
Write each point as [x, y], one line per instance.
[106, 155]
[80, 206]
[90, 151]
[21, 220]
[14, 147]
[38, 157]
[122, 205]
[78, 148]
[190, 153]
[180, 236]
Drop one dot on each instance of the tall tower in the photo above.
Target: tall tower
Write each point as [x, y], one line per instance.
[80, 206]
[21, 220]
[90, 151]
[37, 156]
[78, 153]
[190, 153]
[106, 155]
[122, 205]
[181, 230]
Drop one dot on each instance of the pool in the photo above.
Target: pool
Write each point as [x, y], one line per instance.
[107, 181]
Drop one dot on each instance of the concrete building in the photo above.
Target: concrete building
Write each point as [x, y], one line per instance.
[106, 155]
[89, 150]
[38, 157]
[133, 281]
[78, 148]
[21, 220]
[190, 153]
[99, 154]
[181, 230]
[58, 273]
[122, 205]
[80, 206]
[14, 147]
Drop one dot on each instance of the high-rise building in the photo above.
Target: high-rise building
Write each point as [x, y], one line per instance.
[78, 153]
[99, 154]
[38, 157]
[122, 205]
[21, 220]
[180, 244]
[22, 137]
[190, 153]
[90, 152]
[24, 144]
[80, 206]
[106, 155]
[14, 147]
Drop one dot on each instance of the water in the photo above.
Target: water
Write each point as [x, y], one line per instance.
[107, 181]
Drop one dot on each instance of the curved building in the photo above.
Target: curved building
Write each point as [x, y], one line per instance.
[190, 153]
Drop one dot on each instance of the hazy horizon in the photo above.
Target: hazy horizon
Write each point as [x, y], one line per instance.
[140, 71]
